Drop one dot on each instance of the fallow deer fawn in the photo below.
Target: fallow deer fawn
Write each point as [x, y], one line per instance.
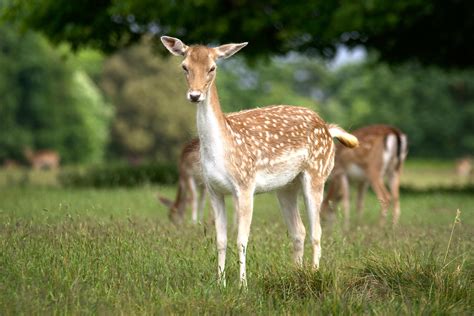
[42, 159]
[190, 181]
[280, 148]
[381, 153]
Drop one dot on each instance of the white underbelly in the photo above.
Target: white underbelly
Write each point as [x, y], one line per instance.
[268, 181]
[355, 172]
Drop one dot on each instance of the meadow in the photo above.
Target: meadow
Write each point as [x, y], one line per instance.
[114, 251]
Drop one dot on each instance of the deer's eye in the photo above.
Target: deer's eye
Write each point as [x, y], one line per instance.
[212, 69]
[185, 68]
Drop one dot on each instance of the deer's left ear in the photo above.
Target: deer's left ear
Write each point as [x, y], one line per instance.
[174, 45]
[228, 50]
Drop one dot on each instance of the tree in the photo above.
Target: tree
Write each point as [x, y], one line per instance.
[434, 107]
[430, 31]
[153, 118]
[46, 103]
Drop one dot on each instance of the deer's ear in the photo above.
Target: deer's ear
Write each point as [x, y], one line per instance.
[225, 51]
[174, 45]
[166, 202]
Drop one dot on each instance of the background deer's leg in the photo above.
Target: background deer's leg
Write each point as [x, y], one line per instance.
[361, 190]
[313, 191]
[382, 195]
[202, 201]
[194, 200]
[394, 179]
[345, 192]
[330, 203]
[218, 206]
[288, 199]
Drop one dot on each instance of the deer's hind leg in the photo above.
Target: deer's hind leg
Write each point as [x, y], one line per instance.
[288, 199]
[382, 195]
[313, 191]
[394, 180]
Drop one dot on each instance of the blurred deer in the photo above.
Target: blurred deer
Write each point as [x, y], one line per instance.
[42, 159]
[381, 153]
[10, 164]
[464, 167]
[276, 148]
[190, 182]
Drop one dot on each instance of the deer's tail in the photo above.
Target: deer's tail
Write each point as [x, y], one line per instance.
[344, 137]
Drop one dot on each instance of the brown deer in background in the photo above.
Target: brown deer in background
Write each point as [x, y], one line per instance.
[381, 153]
[10, 164]
[42, 159]
[277, 148]
[464, 167]
[190, 182]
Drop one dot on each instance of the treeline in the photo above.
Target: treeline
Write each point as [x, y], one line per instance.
[46, 102]
[434, 107]
[131, 105]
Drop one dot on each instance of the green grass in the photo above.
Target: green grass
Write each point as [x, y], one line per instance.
[422, 173]
[72, 251]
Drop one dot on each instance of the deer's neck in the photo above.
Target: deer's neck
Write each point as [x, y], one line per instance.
[214, 140]
[211, 125]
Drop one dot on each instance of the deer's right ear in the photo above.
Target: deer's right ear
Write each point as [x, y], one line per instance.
[174, 45]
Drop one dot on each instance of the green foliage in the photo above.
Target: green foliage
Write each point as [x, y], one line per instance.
[119, 175]
[425, 30]
[432, 106]
[94, 115]
[272, 82]
[88, 60]
[46, 103]
[153, 118]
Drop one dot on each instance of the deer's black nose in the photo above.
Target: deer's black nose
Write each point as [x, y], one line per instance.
[194, 96]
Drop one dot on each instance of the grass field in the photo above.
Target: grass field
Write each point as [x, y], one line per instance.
[71, 251]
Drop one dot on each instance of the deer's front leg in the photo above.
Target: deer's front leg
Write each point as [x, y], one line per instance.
[194, 199]
[218, 205]
[202, 202]
[243, 202]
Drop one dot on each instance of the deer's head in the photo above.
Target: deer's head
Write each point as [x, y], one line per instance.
[173, 213]
[199, 64]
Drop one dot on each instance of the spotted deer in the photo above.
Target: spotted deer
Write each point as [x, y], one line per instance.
[42, 159]
[190, 182]
[276, 148]
[381, 153]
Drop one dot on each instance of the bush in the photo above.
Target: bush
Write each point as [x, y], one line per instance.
[102, 176]
[46, 103]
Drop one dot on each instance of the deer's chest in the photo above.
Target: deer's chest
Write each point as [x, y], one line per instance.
[217, 176]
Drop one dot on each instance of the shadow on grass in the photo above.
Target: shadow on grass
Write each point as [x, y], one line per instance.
[295, 284]
[419, 282]
[458, 189]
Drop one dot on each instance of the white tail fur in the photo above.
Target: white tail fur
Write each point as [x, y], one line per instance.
[344, 137]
